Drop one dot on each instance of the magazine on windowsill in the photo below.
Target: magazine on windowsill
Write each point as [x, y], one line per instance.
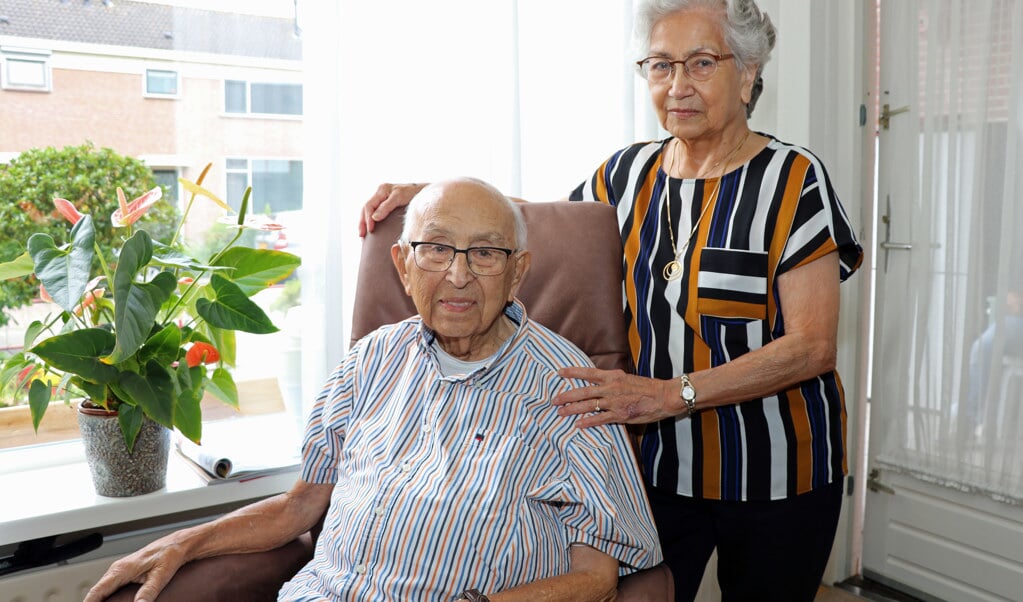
[243, 449]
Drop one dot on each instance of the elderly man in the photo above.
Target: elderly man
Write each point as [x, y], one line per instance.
[443, 469]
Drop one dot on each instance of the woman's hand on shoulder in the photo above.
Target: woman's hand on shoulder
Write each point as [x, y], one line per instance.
[386, 199]
[617, 397]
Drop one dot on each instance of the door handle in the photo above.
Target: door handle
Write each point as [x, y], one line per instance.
[887, 243]
[887, 112]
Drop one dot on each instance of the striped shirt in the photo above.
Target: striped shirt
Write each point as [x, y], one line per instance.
[774, 213]
[445, 483]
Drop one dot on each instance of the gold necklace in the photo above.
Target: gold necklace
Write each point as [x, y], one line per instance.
[673, 269]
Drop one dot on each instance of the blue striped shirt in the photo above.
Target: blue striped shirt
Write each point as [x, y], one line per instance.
[444, 483]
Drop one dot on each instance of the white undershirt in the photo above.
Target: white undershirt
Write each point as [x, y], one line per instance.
[452, 366]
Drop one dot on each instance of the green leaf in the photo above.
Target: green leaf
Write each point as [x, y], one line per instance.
[162, 347]
[17, 268]
[154, 392]
[187, 410]
[225, 342]
[256, 269]
[130, 418]
[79, 352]
[94, 391]
[65, 272]
[166, 256]
[137, 303]
[222, 387]
[32, 333]
[38, 401]
[232, 309]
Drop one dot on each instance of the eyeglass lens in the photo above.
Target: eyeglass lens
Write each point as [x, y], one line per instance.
[698, 66]
[483, 261]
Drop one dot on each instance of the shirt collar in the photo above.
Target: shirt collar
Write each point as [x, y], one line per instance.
[515, 311]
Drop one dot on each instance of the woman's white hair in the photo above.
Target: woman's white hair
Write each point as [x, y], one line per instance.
[748, 31]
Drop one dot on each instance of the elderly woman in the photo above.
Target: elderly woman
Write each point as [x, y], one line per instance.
[735, 244]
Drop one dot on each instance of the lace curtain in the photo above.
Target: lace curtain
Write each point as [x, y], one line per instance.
[952, 409]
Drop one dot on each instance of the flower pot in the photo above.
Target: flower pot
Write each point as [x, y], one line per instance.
[117, 472]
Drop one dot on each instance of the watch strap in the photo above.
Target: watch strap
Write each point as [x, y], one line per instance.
[474, 595]
[689, 400]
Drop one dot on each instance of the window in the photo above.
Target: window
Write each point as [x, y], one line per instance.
[168, 178]
[90, 75]
[262, 98]
[161, 83]
[276, 184]
[25, 70]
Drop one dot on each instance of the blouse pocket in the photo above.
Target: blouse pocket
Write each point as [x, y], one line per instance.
[732, 284]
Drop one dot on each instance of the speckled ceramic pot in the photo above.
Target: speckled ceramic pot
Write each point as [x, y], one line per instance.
[116, 472]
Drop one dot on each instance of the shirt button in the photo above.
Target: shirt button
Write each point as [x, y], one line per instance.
[406, 467]
[379, 511]
[360, 569]
[427, 428]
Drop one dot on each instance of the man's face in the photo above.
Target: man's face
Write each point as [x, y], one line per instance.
[463, 309]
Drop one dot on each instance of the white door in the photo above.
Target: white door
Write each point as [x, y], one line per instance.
[944, 507]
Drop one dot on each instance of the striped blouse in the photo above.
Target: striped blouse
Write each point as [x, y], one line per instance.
[444, 483]
[774, 213]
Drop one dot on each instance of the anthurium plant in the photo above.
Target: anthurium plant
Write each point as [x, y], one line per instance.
[149, 334]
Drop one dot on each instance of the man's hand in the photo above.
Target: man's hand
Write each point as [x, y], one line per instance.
[153, 566]
[260, 526]
[386, 199]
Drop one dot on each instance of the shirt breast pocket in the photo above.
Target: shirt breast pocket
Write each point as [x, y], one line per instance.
[732, 284]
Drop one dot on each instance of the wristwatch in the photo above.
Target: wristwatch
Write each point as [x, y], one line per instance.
[474, 595]
[688, 395]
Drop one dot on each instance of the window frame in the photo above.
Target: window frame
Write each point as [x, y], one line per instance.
[147, 93]
[26, 55]
[247, 171]
[248, 112]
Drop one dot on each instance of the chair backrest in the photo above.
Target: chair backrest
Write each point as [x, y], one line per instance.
[574, 285]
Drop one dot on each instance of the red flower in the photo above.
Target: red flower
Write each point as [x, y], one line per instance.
[129, 213]
[67, 210]
[26, 373]
[201, 353]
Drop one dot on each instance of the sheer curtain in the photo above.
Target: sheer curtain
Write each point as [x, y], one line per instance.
[529, 95]
[958, 419]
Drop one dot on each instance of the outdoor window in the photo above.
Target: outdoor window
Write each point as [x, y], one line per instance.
[276, 184]
[25, 70]
[90, 75]
[168, 178]
[160, 82]
[262, 98]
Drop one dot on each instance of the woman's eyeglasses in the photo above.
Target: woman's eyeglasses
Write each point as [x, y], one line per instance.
[700, 66]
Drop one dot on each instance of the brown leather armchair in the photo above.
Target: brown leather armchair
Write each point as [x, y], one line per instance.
[574, 287]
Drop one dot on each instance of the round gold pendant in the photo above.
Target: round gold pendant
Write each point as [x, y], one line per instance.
[672, 270]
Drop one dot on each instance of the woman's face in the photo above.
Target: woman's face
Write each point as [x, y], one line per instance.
[695, 109]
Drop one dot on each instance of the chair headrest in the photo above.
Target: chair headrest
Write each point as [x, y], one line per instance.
[574, 285]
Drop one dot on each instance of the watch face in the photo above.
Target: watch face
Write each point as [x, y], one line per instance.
[688, 393]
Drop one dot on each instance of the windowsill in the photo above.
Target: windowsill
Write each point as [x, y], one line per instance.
[57, 496]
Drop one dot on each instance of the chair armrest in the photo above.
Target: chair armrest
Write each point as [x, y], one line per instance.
[252, 577]
[259, 576]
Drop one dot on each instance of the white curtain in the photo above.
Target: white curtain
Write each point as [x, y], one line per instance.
[958, 416]
[529, 95]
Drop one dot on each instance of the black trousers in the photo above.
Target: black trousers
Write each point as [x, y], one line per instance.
[773, 550]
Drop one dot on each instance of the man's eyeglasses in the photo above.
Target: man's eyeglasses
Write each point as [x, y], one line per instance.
[700, 66]
[483, 261]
